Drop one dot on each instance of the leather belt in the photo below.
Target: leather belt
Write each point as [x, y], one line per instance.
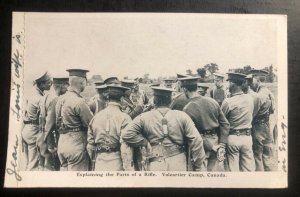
[168, 152]
[209, 132]
[34, 122]
[68, 130]
[106, 149]
[239, 132]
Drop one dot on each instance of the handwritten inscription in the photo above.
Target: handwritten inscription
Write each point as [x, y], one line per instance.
[18, 38]
[16, 61]
[282, 147]
[283, 143]
[16, 110]
[12, 170]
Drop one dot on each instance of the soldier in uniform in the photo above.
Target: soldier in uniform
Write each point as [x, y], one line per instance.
[138, 96]
[202, 89]
[104, 142]
[30, 128]
[218, 92]
[264, 150]
[247, 90]
[164, 133]
[179, 100]
[98, 102]
[238, 109]
[210, 122]
[133, 109]
[168, 83]
[74, 116]
[48, 138]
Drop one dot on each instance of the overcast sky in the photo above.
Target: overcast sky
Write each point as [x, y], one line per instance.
[134, 44]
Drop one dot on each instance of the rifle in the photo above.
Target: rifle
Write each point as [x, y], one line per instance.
[93, 159]
[56, 163]
[145, 159]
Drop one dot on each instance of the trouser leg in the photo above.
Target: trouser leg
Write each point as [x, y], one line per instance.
[268, 156]
[109, 162]
[247, 162]
[258, 152]
[233, 153]
[33, 158]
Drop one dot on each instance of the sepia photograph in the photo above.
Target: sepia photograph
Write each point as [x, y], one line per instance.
[148, 100]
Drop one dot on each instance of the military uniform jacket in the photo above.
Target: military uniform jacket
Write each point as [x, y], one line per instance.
[47, 107]
[218, 93]
[179, 102]
[32, 108]
[181, 130]
[207, 115]
[97, 103]
[267, 101]
[74, 110]
[256, 101]
[238, 109]
[107, 125]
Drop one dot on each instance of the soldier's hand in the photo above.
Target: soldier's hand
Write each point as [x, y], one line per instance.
[216, 147]
[149, 148]
[221, 154]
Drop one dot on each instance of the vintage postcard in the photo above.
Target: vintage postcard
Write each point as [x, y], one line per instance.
[177, 100]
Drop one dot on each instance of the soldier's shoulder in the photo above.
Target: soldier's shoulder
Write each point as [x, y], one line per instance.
[177, 112]
[210, 100]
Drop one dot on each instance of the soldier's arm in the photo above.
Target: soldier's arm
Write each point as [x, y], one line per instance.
[224, 128]
[51, 116]
[194, 141]
[84, 112]
[272, 98]
[257, 101]
[225, 108]
[91, 140]
[136, 111]
[133, 133]
[126, 150]
[92, 105]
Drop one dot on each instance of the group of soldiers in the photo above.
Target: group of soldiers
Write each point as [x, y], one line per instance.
[121, 128]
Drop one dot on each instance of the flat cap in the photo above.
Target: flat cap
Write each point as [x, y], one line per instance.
[155, 85]
[188, 81]
[78, 72]
[99, 83]
[42, 77]
[256, 72]
[219, 75]
[169, 80]
[161, 91]
[128, 83]
[112, 80]
[101, 87]
[60, 80]
[116, 89]
[234, 76]
[181, 75]
[202, 87]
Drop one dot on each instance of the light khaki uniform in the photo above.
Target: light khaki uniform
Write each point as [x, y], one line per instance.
[168, 152]
[30, 129]
[263, 142]
[238, 109]
[76, 116]
[104, 138]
